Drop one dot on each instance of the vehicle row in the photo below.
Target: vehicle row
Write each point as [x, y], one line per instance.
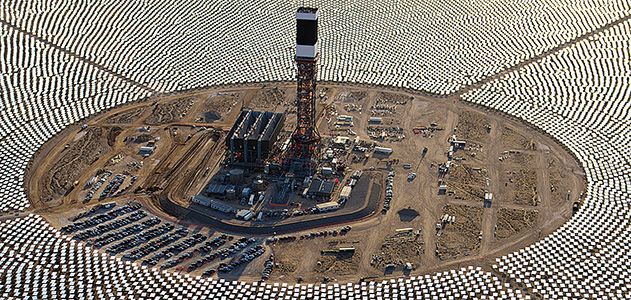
[162, 230]
[389, 192]
[268, 266]
[248, 255]
[100, 218]
[94, 210]
[96, 186]
[107, 227]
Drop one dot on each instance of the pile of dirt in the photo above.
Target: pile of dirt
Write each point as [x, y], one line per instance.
[286, 257]
[473, 126]
[338, 264]
[560, 181]
[467, 183]
[399, 99]
[141, 138]
[284, 267]
[511, 138]
[462, 237]
[513, 221]
[467, 174]
[169, 112]
[466, 192]
[521, 186]
[351, 96]
[214, 107]
[399, 249]
[126, 117]
[269, 99]
[112, 134]
[75, 159]
[517, 157]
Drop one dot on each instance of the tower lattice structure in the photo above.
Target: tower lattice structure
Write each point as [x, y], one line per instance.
[305, 138]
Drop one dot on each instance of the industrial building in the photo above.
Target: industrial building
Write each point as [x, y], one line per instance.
[252, 136]
[345, 194]
[214, 204]
[327, 206]
[319, 188]
[383, 150]
[148, 149]
[250, 143]
[217, 189]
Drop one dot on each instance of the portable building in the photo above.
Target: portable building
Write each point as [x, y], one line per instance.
[327, 206]
[375, 120]
[383, 150]
[346, 192]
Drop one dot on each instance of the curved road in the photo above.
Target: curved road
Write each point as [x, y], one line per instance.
[367, 211]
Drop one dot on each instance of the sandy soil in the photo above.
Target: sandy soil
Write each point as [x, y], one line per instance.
[528, 174]
[513, 221]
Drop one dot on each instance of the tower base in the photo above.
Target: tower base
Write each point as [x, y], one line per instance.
[301, 158]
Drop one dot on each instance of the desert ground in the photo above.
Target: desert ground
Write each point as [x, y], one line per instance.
[534, 183]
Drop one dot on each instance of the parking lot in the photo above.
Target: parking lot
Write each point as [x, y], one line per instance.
[128, 230]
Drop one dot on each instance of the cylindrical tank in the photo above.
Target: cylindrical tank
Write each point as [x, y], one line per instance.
[236, 176]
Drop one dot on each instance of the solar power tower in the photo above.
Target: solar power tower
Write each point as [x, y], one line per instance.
[305, 139]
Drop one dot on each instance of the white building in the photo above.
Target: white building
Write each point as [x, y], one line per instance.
[327, 206]
[346, 193]
[383, 150]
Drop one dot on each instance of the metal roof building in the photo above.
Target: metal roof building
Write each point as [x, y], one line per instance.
[252, 135]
